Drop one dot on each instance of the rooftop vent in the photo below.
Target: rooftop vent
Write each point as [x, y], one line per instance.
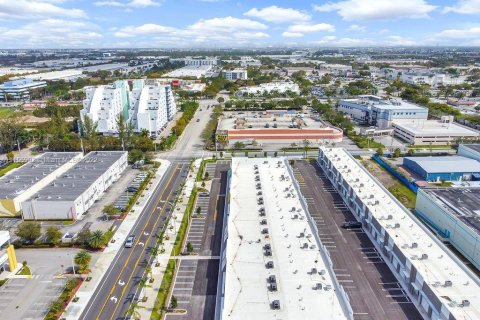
[448, 283]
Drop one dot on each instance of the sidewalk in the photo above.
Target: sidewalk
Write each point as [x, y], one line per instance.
[145, 308]
[87, 289]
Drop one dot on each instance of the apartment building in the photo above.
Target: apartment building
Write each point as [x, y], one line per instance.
[147, 104]
[152, 105]
[104, 104]
[19, 89]
[375, 111]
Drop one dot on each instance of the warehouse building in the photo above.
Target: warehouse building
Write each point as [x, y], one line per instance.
[439, 284]
[471, 151]
[432, 132]
[21, 183]
[70, 196]
[453, 213]
[273, 264]
[447, 168]
[375, 111]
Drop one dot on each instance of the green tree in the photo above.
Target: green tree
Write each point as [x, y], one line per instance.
[189, 248]
[82, 259]
[29, 231]
[53, 235]
[83, 236]
[173, 302]
[396, 153]
[379, 152]
[110, 210]
[306, 145]
[96, 240]
[10, 156]
[135, 155]
[221, 100]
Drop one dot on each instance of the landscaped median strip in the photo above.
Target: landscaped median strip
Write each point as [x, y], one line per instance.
[157, 295]
[87, 288]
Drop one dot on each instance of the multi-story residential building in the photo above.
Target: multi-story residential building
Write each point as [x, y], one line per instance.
[236, 74]
[19, 89]
[201, 61]
[104, 104]
[148, 105]
[431, 78]
[374, 111]
[152, 105]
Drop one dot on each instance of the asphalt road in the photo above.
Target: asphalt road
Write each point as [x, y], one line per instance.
[119, 287]
[373, 290]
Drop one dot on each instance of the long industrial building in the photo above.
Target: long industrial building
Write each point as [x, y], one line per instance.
[453, 213]
[273, 264]
[70, 196]
[437, 282]
[471, 151]
[21, 183]
[149, 105]
[375, 111]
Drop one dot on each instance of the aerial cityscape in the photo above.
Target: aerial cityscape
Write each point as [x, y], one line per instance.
[220, 159]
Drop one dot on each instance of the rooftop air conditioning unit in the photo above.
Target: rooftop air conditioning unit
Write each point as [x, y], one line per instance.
[424, 256]
[448, 283]
[414, 245]
[465, 303]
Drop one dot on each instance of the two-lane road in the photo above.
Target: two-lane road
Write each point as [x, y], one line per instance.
[119, 286]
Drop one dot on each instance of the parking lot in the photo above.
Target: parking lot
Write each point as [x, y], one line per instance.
[373, 290]
[195, 285]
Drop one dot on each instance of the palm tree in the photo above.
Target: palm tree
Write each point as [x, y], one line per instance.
[154, 252]
[132, 311]
[97, 239]
[144, 133]
[143, 283]
[82, 259]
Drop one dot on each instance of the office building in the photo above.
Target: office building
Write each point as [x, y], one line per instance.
[435, 279]
[453, 214]
[191, 71]
[104, 104]
[8, 258]
[70, 195]
[273, 265]
[447, 168]
[21, 183]
[418, 77]
[236, 74]
[432, 132]
[471, 151]
[19, 89]
[152, 105]
[374, 111]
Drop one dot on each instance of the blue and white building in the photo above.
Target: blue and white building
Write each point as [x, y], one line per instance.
[436, 281]
[374, 111]
[453, 214]
[471, 151]
[19, 89]
[447, 168]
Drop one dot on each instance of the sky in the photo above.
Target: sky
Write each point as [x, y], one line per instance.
[237, 23]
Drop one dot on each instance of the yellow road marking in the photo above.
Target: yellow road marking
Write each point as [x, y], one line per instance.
[130, 255]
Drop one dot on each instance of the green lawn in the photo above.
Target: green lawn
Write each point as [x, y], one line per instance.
[2, 282]
[406, 196]
[25, 271]
[9, 167]
[7, 112]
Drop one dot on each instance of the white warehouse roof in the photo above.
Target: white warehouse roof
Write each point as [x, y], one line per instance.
[446, 164]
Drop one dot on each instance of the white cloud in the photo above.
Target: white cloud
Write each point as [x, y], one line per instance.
[464, 7]
[129, 4]
[304, 28]
[216, 29]
[399, 41]
[51, 33]
[287, 34]
[278, 15]
[226, 24]
[470, 33]
[357, 28]
[31, 9]
[378, 9]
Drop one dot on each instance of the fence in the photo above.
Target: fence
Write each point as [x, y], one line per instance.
[395, 173]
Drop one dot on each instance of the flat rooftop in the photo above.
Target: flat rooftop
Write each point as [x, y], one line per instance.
[441, 264]
[74, 182]
[462, 203]
[259, 119]
[392, 104]
[19, 180]
[434, 127]
[294, 246]
[447, 164]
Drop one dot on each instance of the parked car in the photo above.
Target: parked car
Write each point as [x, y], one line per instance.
[130, 241]
[351, 225]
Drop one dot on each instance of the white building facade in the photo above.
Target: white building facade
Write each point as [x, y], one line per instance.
[201, 61]
[280, 87]
[237, 74]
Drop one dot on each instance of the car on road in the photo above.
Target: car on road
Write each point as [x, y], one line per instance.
[198, 120]
[130, 241]
[351, 225]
